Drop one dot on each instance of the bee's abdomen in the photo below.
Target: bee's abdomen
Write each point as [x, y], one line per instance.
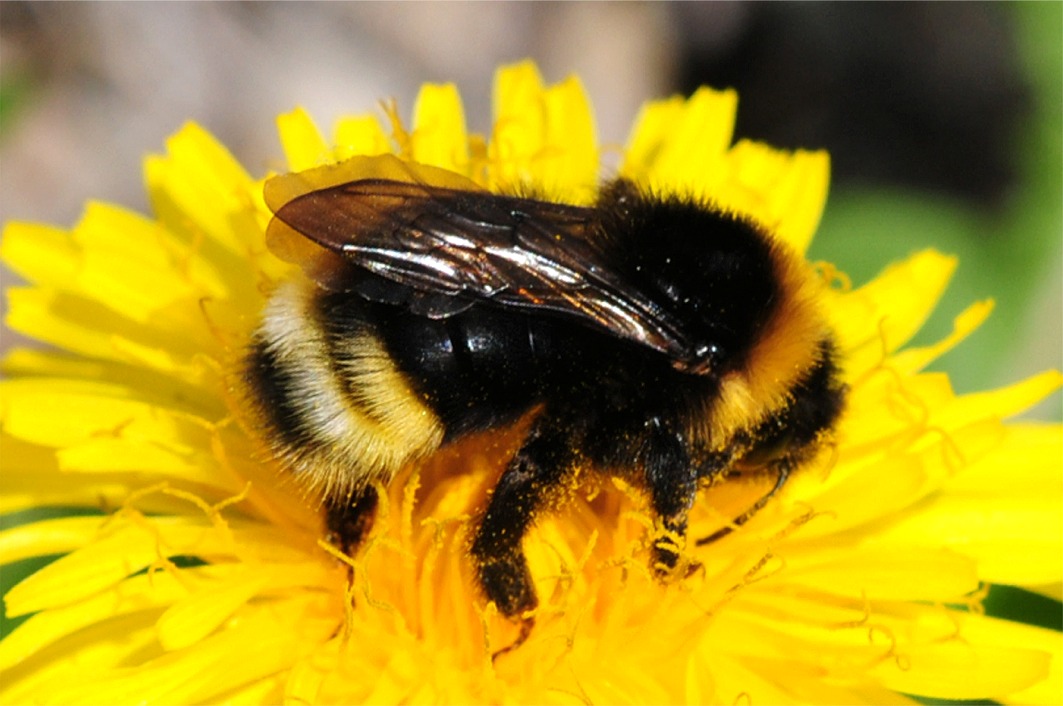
[335, 406]
[479, 369]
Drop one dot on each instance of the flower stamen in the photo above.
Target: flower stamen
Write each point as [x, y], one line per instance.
[399, 134]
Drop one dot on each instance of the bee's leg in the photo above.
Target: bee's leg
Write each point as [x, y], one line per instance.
[672, 481]
[348, 522]
[533, 477]
[782, 469]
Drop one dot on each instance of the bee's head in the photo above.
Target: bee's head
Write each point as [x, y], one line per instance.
[717, 274]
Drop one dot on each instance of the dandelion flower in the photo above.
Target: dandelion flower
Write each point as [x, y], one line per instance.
[190, 570]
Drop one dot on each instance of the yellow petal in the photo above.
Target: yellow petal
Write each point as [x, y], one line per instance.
[893, 572]
[222, 173]
[543, 137]
[142, 273]
[193, 394]
[879, 317]
[1028, 452]
[844, 501]
[82, 326]
[784, 192]
[258, 646]
[146, 457]
[1001, 403]
[97, 565]
[30, 477]
[994, 631]
[570, 158]
[221, 594]
[56, 536]
[1007, 498]
[303, 144]
[439, 137]
[122, 547]
[87, 653]
[136, 594]
[649, 132]
[517, 87]
[912, 360]
[270, 690]
[518, 134]
[801, 198]
[883, 405]
[40, 253]
[360, 135]
[202, 196]
[63, 413]
[691, 158]
[955, 670]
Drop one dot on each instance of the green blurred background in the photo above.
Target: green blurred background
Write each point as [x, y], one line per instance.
[1010, 241]
[944, 120]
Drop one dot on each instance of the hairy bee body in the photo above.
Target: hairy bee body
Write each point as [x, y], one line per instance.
[657, 339]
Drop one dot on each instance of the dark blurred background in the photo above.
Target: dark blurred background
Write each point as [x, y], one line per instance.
[943, 119]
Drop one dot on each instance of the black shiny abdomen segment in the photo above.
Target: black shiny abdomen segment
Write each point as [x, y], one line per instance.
[477, 369]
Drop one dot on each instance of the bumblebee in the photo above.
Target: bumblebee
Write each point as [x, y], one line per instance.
[654, 338]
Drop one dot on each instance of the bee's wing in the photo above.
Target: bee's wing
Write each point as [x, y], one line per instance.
[448, 248]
